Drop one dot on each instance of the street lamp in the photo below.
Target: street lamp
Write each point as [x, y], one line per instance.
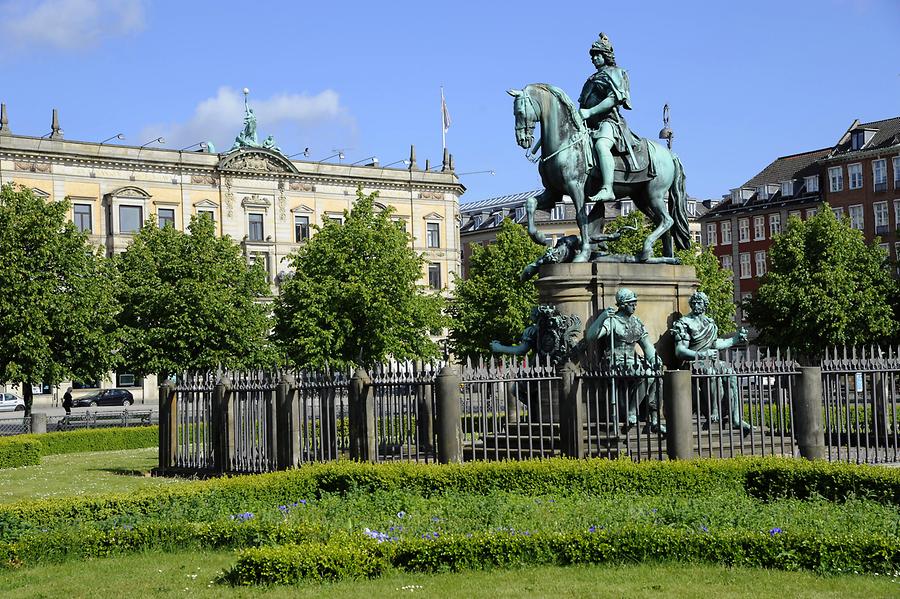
[203, 146]
[116, 136]
[305, 153]
[340, 156]
[153, 141]
[404, 161]
[373, 159]
[491, 172]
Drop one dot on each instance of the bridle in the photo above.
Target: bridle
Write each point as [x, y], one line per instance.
[529, 125]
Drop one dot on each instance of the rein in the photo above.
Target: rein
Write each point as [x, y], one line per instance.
[576, 139]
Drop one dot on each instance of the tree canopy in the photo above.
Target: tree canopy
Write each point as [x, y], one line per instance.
[190, 301]
[355, 297]
[58, 308]
[825, 287]
[492, 303]
[715, 281]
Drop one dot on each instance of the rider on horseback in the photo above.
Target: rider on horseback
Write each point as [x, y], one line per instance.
[603, 93]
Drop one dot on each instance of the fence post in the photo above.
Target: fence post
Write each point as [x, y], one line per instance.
[38, 422]
[168, 408]
[449, 433]
[807, 408]
[362, 417]
[677, 409]
[286, 419]
[425, 418]
[222, 426]
[571, 411]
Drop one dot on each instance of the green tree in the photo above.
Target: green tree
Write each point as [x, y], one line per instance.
[492, 303]
[354, 297]
[58, 308]
[715, 281]
[826, 287]
[190, 301]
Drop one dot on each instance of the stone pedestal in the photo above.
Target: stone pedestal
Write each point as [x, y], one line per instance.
[585, 289]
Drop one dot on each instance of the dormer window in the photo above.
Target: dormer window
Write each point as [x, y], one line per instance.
[787, 189]
[520, 213]
[762, 192]
[478, 218]
[812, 184]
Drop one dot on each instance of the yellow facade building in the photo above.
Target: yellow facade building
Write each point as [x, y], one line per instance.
[263, 200]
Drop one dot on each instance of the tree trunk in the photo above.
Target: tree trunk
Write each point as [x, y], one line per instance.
[28, 396]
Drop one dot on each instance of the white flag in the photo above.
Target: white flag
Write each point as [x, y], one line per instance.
[445, 114]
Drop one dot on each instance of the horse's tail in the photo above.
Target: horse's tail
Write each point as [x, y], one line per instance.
[681, 229]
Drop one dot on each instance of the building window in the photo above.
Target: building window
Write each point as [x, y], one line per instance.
[558, 212]
[520, 213]
[434, 275]
[879, 174]
[762, 192]
[692, 208]
[854, 173]
[627, 207]
[726, 232]
[130, 218]
[301, 228]
[836, 178]
[795, 213]
[811, 212]
[812, 184]
[335, 218]
[787, 188]
[760, 258]
[759, 227]
[83, 218]
[896, 162]
[745, 266]
[85, 384]
[696, 237]
[711, 234]
[774, 224]
[726, 263]
[255, 231]
[881, 217]
[897, 213]
[166, 216]
[126, 379]
[838, 212]
[207, 214]
[433, 235]
[743, 230]
[401, 223]
[857, 220]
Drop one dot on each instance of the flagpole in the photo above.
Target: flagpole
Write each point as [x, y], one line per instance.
[443, 122]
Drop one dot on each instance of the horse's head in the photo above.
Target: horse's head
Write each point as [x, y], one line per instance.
[526, 112]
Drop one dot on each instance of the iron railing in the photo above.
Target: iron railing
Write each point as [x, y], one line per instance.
[404, 406]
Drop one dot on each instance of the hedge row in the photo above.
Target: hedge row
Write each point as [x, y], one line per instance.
[768, 478]
[291, 564]
[82, 542]
[18, 450]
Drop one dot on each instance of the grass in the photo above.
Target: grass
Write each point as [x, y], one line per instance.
[193, 574]
[82, 474]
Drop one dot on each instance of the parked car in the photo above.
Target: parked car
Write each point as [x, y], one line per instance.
[106, 397]
[11, 403]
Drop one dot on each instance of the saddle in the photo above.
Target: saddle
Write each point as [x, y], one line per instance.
[627, 173]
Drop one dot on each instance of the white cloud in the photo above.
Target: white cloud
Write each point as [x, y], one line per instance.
[220, 118]
[68, 24]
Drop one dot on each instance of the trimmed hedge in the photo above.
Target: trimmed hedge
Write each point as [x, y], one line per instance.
[768, 478]
[81, 542]
[94, 439]
[16, 452]
[361, 558]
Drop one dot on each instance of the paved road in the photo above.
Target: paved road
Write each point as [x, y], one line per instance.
[45, 405]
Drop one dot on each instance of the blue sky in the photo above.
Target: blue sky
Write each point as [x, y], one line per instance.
[746, 81]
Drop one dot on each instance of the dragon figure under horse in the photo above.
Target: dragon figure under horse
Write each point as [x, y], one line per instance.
[567, 161]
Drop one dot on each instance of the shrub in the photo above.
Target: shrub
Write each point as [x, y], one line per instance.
[825, 555]
[98, 439]
[17, 451]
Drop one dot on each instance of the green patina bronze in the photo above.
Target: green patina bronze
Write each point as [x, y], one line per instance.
[590, 154]
[551, 335]
[697, 339]
[247, 138]
[617, 331]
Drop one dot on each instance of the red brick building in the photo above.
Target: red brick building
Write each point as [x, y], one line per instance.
[859, 177]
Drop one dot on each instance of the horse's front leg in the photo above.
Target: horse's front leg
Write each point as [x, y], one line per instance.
[584, 250]
[537, 236]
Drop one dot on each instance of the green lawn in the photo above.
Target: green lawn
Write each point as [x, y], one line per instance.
[82, 474]
[194, 574]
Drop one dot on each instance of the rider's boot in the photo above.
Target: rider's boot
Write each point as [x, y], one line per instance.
[607, 171]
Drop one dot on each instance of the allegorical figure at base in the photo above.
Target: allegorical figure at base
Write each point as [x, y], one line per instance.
[616, 332]
[697, 339]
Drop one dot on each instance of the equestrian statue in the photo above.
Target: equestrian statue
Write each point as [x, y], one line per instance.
[589, 154]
